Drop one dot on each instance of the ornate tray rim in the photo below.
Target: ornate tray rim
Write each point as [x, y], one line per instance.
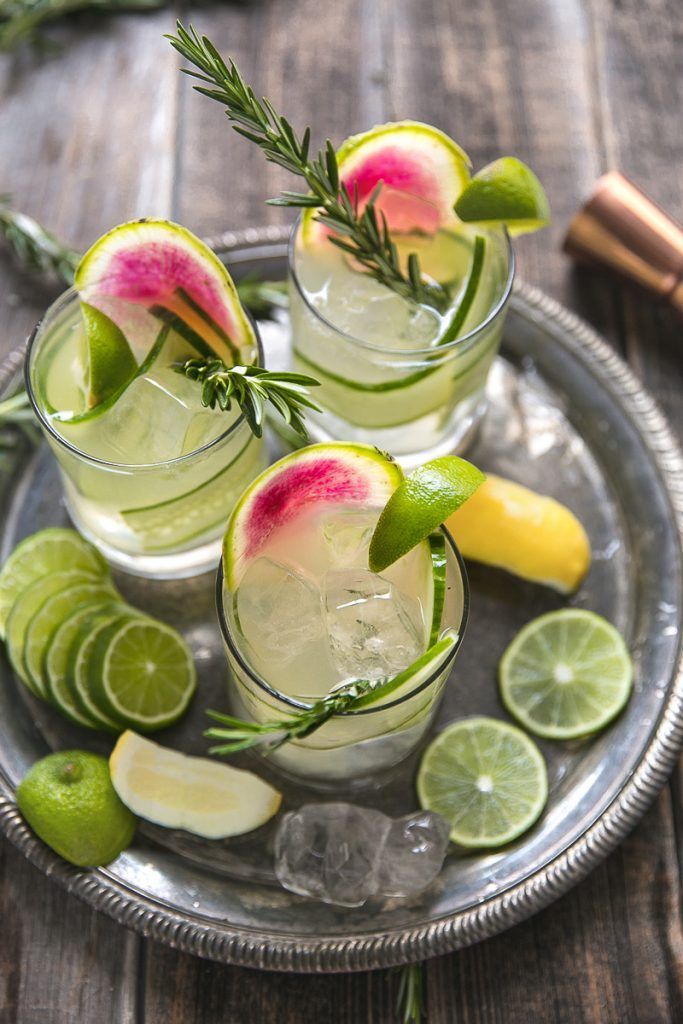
[322, 954]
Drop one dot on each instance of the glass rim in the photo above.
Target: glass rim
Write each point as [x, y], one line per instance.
[64, 299]
[300, 705]
[464, 340]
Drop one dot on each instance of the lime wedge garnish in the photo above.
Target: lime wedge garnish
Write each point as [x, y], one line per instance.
[43, 554]
[142, 674]
[486, 778]
[419, 505]
[505, 192]
[566, 674]
[111, 363]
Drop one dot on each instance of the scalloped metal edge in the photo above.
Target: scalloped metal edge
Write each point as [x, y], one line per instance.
[250, 948]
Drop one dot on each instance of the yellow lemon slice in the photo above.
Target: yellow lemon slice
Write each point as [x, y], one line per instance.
[511, 527]
[193, 793]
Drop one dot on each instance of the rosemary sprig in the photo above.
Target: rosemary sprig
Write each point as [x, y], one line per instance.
[410, 999]
[252, 387]
[364, 235]
[20, 19]
[33, 246]
[241, 734]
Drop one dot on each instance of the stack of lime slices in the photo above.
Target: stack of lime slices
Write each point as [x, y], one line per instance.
[74, 642]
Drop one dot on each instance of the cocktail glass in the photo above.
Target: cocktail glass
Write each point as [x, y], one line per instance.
[266, 686]
[385, 378]
[153, 479]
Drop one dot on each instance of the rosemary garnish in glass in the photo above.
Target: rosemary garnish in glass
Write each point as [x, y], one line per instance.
[363, 234]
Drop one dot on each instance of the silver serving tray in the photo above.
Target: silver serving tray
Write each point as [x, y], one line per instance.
[568, 418]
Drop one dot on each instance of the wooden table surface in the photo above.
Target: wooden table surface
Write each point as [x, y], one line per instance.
[104, 130]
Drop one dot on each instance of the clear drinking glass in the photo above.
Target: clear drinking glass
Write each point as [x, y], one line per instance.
[411, 398]
[151, 516]
[355, 743]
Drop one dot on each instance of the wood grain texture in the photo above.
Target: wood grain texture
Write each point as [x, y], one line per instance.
[108, 130]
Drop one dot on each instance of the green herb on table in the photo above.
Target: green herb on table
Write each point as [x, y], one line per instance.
[33, 246]
[410, 999]
[364, 234]
[16, 412]
[21, 19]
[252, 387]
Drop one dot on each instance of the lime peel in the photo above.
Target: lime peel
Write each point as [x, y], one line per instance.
[505, 192]
[419, 505]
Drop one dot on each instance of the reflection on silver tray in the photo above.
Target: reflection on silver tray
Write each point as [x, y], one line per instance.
[567, 418]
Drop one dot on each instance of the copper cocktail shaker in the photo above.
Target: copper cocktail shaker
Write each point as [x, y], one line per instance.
[620, 228]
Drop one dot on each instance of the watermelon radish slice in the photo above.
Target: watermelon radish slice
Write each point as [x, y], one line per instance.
[421, 169]
[150, 272]
[336, 473]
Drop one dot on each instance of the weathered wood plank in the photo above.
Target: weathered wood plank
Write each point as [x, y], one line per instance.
[60, 962]
[86, 137]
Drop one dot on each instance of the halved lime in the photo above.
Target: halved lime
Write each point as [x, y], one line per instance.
[485, 777]
[423, 501]
[505, 192]
[566, 674]
[53, 550]
[56, 661]
[79, 677]
[29, 602]
[47, 619]
[142, 673]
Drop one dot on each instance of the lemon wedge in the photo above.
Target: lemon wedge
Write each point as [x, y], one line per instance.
[193, 793]
[511, 527]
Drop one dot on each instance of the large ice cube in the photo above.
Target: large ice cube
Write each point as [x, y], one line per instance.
[374, 630]
[347, 538]
[343, 854]
[277, 610]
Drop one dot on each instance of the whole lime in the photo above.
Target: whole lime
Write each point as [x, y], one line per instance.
[69, 801]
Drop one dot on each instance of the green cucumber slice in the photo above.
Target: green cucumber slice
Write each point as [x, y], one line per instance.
[437, 552]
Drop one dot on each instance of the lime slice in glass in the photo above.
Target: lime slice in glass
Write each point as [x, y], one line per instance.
[566, 674]
[56, 662]
[486, 778]
[46, 620]
[30, 601]
[505, 192]
[142, 674]
[47, 552]
[419, 505]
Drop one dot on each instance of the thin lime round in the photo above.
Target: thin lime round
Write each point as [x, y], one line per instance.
[79, 675]
[46, 621]
[420, 504]
[52, 550]
[59, 692]
[68, 799]
[28, 604]
[505, 192]
[486, 778]
[143, 674]
[566, 674]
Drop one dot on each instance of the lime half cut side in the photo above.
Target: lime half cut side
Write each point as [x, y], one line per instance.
[143, 674]
[566, 674]
[54, 550]
[485, 777]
